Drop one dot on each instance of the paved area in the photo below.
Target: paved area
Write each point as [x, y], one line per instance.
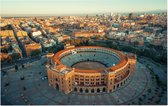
[27, 87]
[156, 68]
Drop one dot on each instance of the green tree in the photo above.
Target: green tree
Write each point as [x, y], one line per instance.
[35, 52]
[15, 56]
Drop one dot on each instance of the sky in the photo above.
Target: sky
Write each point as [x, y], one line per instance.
[59, 7]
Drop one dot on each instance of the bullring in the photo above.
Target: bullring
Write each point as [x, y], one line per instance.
[89, 69]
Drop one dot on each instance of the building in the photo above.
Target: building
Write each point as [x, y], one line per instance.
[69, 46]
[9, 45]
[87, 34]
[62, 38]
[5, 56]
[32, 47]
[89, 69]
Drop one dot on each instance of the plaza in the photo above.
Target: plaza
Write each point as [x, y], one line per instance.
[34, 89]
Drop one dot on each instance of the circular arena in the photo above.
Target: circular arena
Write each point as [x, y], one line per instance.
[89, 69]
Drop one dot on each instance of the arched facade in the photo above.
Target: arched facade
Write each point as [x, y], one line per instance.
[89, 81]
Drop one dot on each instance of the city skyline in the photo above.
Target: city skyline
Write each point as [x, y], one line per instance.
[109, 58]
[69, 7]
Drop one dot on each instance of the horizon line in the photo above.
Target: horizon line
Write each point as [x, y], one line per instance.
[80, 14]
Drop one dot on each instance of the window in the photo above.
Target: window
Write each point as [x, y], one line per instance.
[117, 85]
[92, 83]
[86, 83]
[104, 89]
[81, 79]
[81, 90]
[102, 82]
[76, 78]
[98, 90]
[76, 75]
[57, 86]
[82, 83]
[86, 91]
[92, 91]
[75, 89]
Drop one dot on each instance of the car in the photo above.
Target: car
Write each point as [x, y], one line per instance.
[21, 95]
[43, 78]
[22, 78]
[40, 73]
[25, 100]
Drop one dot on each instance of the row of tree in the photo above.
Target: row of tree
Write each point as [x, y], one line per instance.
[160, 57]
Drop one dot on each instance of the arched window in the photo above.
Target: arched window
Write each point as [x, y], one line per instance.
[75, 89]
[86, 91]
[117, 85]
[81, 90]
[104, 89]
[57, 86]
[92, 91]
[98, 90]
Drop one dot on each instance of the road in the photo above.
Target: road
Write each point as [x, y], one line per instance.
[19, 43]
[8, 66]
[156, 67]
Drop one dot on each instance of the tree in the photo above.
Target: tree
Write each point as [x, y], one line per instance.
[22, 78]
[35, 52]
[22, 65]
[16, 67]
[140, 99]
[6, 84]
[149, 90]
[15, 56]
[24, 88]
